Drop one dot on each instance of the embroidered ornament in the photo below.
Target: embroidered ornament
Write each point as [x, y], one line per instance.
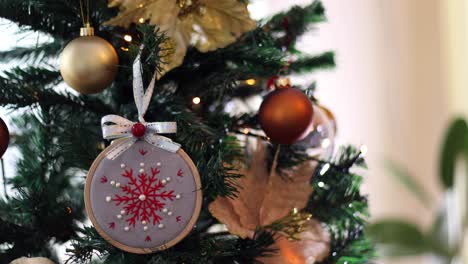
[143, 192]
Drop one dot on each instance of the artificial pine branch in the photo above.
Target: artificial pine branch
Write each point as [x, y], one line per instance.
[344, 210]
[33, 86]
[309, 64]
[295, 22]
[211, 249]
[59, 18]
[35, 54]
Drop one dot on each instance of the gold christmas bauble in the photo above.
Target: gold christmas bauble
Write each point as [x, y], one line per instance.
[89, 63]
[39, 260]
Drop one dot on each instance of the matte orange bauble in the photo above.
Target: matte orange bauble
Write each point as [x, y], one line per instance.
[286, 115]
[4, 137]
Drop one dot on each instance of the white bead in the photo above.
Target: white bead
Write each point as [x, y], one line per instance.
[145, 228]
[161, 226]
[108, 199]
[142, 164]
[112, 183]
[119, 216]
[169, 213]
[117, 185]
[177, 196]
[168, 179]
[144, 222]
[127, 228]
[122, 165]
[142, 170]
[165, 210]
[158, 164]
[123, 212]
[164, 181]
[142, 197]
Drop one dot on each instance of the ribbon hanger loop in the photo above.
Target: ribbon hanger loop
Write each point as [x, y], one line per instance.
[114, 126]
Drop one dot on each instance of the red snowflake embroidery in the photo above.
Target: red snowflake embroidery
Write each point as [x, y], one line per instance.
[112, 225]
[178, 219]
[180, 173]
[144, 197]
[148, 239]
[143, 152]
[103, 179]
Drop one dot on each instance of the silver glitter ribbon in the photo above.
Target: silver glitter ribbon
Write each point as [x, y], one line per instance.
[115, 127]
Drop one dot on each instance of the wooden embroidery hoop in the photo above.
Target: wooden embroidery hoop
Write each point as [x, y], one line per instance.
[182, 235]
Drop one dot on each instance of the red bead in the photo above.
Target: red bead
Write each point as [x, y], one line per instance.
[138, 130]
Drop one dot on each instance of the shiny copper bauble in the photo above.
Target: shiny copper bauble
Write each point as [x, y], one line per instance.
[4, 137]
[286, 115]
[89, 64]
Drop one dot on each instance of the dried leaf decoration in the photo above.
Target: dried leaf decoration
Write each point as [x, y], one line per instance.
[264, 198]
[205, 24]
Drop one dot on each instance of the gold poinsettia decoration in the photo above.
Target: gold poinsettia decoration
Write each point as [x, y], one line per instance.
[205, 24]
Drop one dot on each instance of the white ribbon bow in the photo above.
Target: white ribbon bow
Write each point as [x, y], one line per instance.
[114, 126]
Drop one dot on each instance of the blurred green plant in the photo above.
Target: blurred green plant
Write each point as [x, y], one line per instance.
[400, 238]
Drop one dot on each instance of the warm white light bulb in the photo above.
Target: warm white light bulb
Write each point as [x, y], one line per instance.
[363, 150]
[326, 143]
[250, 82]
[325, 168]
[128, 38]
[196, 100]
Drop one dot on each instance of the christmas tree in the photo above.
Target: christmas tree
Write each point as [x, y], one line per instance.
[273, 189]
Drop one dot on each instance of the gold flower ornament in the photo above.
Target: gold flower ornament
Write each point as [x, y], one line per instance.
[204, 24]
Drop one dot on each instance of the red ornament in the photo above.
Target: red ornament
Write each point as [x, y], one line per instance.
[4, 137]
[138, 130]
[286, 115]
[271, 83]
